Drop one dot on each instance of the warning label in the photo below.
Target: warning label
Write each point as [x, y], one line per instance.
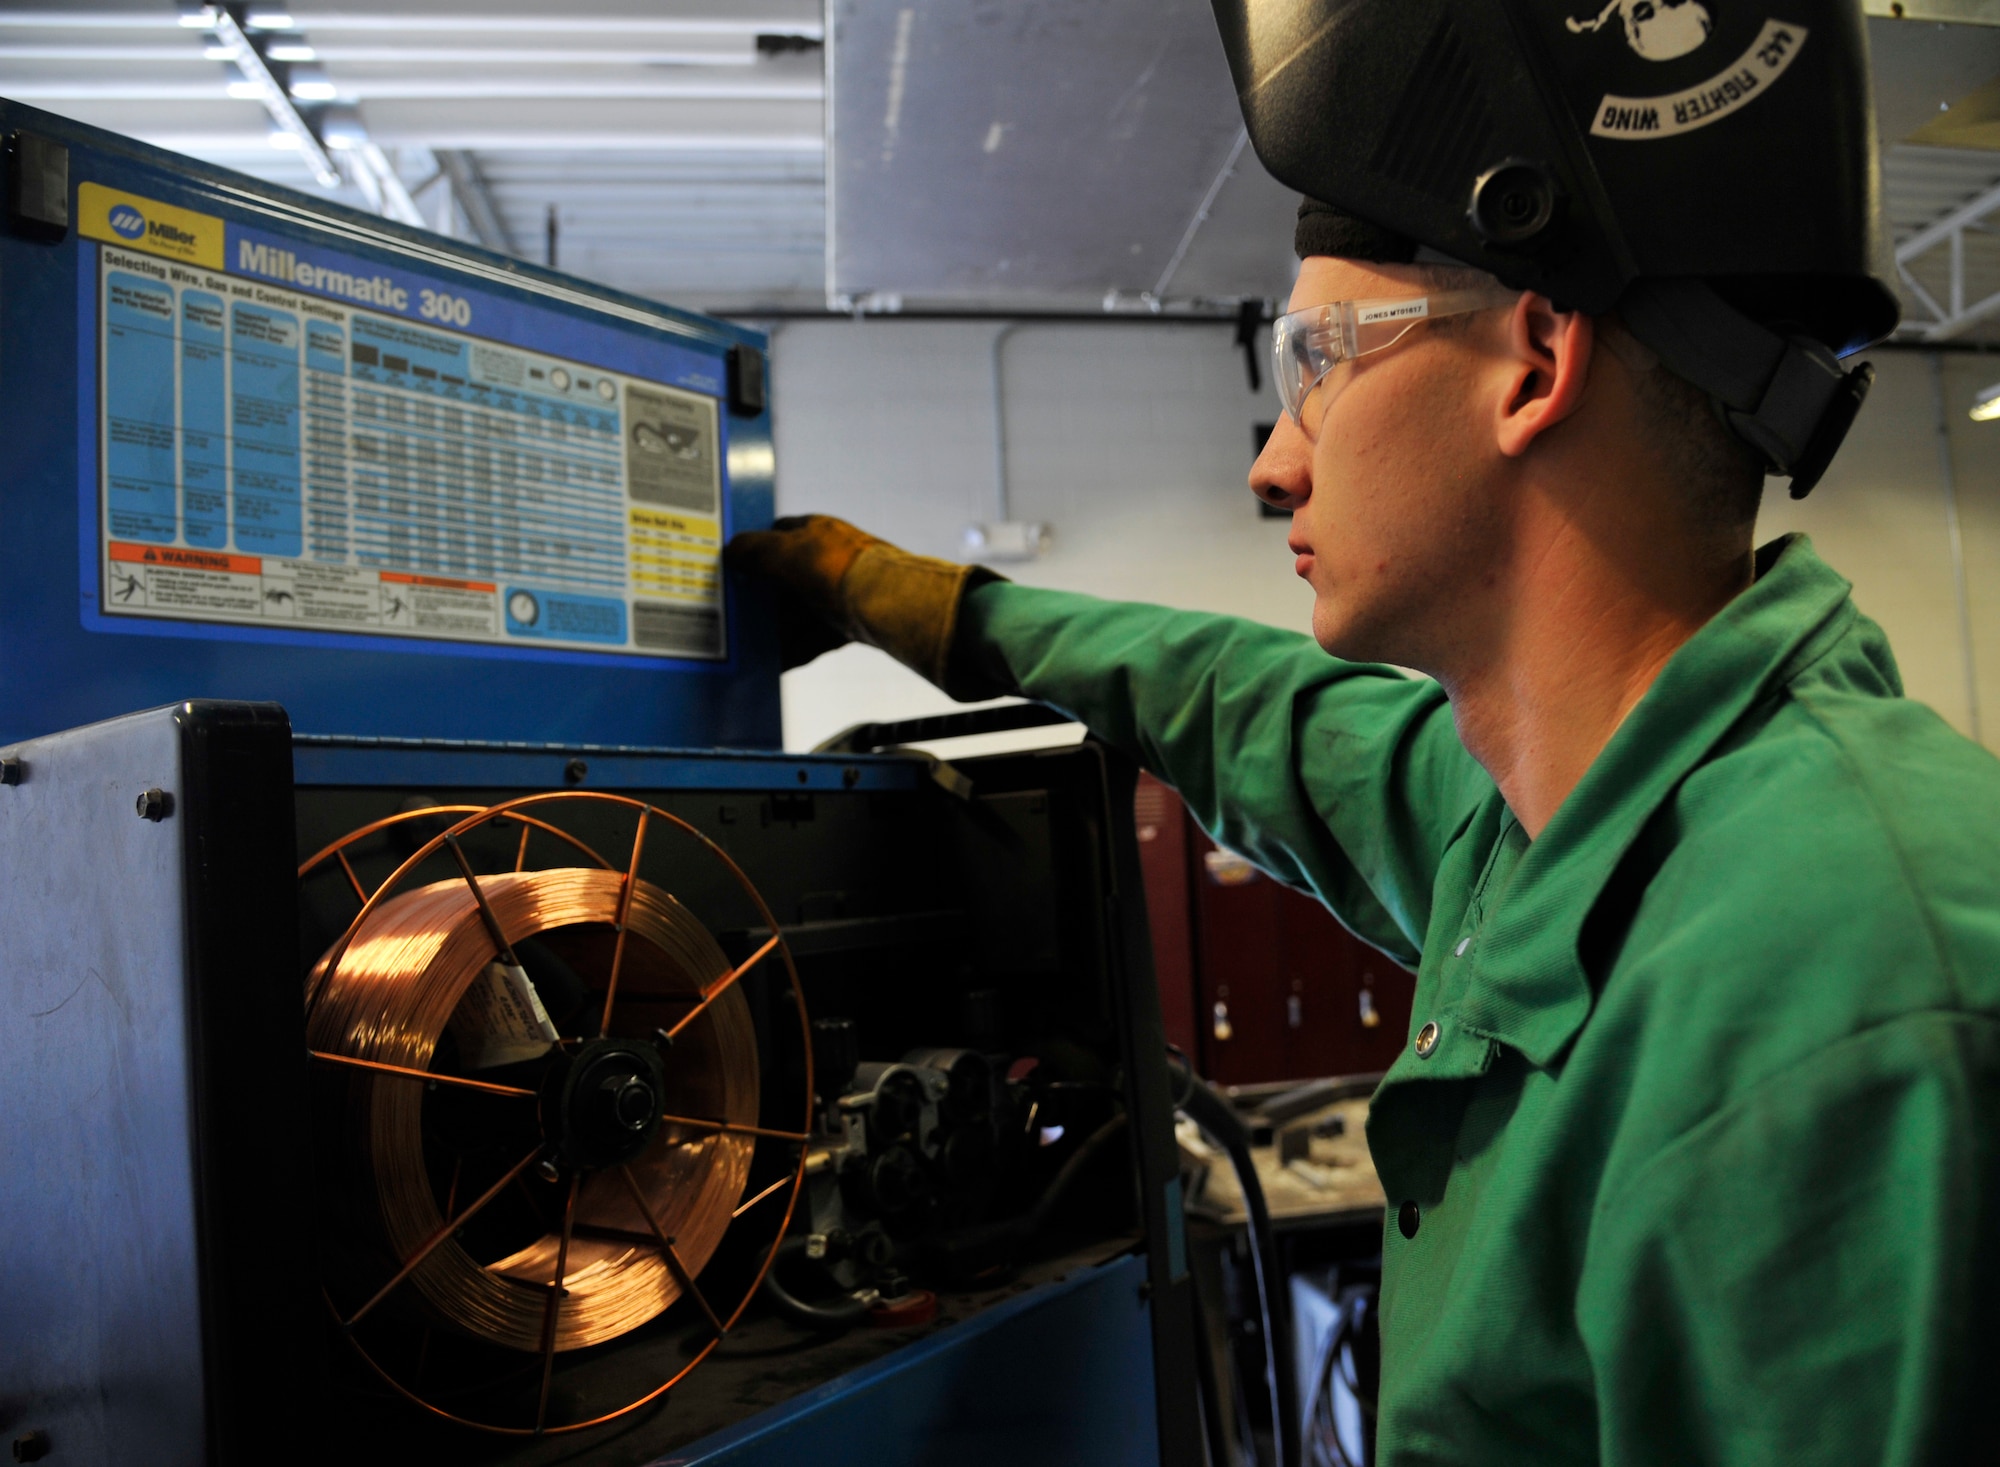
[147, 577]
[276, 458]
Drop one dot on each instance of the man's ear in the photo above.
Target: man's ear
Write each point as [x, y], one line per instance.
[1548, 356]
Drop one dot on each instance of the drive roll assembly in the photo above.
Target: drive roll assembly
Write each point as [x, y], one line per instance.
[537, 1108]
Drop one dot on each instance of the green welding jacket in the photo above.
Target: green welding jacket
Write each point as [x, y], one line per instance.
[1694, 1153]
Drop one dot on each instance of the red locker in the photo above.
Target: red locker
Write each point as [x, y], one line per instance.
[1258, 982]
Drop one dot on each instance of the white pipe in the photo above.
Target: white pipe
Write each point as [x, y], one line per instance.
[999, 514]
[1001, 537]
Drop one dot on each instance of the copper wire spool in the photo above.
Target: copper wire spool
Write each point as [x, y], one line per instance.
[636, 1229]
[407, 969]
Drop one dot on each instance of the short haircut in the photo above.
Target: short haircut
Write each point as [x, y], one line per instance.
[1723, 475]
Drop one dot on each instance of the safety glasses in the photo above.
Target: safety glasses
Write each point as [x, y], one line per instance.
[1309, 344]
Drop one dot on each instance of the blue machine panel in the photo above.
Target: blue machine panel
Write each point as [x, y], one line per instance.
[263, 447]
[359, 762]
[1059, 1376]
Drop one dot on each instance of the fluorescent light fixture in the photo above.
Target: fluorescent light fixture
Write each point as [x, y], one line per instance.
[268, 20]
[246, 91]
[218, 53]
[284, 141]
[290, 51]
[198, 17]
[342, 128]
[1986, 406]
[311, 84]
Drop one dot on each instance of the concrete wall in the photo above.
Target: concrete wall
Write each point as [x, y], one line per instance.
[1133, 442]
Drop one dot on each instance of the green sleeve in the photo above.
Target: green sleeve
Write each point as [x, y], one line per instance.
[1810, 1276]
[1345, 779]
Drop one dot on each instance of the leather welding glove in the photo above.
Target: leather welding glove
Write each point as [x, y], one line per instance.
[836, 584]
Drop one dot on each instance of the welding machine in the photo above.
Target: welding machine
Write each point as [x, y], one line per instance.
[444, 1027]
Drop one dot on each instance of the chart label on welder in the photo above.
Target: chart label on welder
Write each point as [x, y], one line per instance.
[317, 459]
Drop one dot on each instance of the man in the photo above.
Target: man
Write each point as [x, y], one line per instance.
[1694, 1154]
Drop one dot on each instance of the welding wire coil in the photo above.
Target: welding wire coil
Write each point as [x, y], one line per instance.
[390, 1000]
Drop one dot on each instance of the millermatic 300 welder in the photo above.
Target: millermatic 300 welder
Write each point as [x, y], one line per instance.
[444, 1027]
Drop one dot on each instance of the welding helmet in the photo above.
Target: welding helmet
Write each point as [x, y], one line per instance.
[1705, 168]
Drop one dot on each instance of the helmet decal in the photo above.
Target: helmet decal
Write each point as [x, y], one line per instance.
[1658, 30]
[1734, 87]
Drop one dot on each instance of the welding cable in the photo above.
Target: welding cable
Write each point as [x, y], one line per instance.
[1208, 1387]
[1209, 1109]
[971, 1250]
[1045, 1206]
[1337, 1356]
[844, 1313]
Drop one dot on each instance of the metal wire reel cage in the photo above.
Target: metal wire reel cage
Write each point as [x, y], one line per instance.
[536, 1112]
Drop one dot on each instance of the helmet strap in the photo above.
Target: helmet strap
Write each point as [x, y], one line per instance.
[1786, 396]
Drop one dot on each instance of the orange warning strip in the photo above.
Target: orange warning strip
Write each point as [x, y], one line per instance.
[407, 580]
[209, 560]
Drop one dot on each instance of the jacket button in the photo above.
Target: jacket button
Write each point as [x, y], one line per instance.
[1427, 1040]
[1407, 1219]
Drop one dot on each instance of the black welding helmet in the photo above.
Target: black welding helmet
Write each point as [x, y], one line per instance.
[1706, 168]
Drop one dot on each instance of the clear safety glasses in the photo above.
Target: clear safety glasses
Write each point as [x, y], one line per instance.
[1309, 344]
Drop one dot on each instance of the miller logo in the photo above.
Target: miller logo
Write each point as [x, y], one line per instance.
[151, 225]
[1658, 30]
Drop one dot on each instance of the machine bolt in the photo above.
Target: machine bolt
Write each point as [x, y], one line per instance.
[626, 1102]
[155, 804]
[574, 771]
[11, 770]
[548, 1171]
[31, 1446]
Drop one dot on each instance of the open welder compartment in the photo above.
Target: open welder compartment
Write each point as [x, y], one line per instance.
[991, 1120]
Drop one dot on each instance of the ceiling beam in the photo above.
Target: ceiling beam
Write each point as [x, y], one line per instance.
[468, 186]
[425, 89]
[164, 18]
[1223, 176]
[1955, 316]
[1963, 12]
[1939, 230]
[277, 101]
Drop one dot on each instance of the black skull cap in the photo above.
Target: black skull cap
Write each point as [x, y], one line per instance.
[1325, 230]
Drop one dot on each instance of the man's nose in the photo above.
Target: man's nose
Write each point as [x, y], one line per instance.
[1282, 475]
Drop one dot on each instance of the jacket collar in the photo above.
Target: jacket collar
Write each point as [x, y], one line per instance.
[1528, 989]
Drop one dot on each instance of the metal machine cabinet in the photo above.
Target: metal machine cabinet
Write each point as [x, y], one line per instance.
[149, 1084]
[388, 532]
[152, 938]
